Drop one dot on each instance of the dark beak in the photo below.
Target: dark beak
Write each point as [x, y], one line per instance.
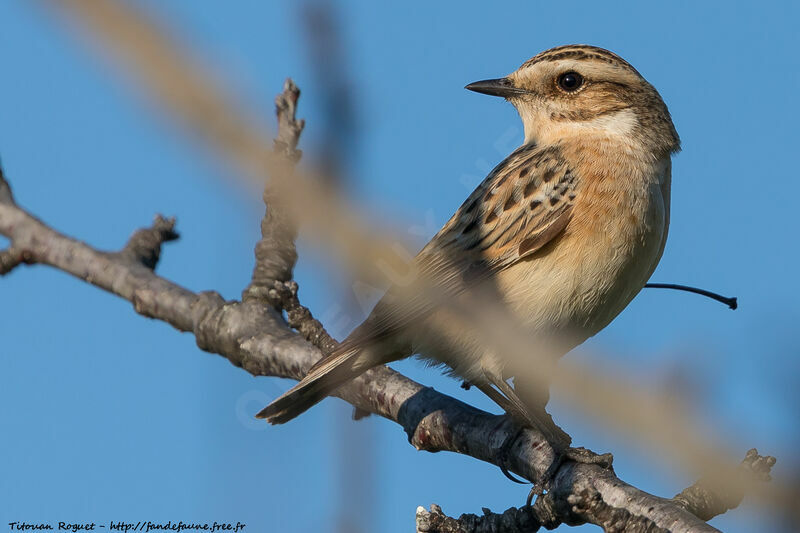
[500, 87]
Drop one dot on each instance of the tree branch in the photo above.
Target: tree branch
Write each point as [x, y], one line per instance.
[512, 521]
[703, 499]
[257, 339]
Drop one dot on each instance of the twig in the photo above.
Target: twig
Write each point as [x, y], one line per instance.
[12, 257]
[731, 302]
[289, 128]
[144, 246]
[275, 253]
[298, 317]
[5, 190]
[708, 498]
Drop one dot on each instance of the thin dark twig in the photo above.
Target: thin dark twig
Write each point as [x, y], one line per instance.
[731, 302]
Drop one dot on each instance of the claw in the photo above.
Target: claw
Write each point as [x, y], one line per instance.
[578, 455]
[509, 475]
[503, 454]
[538, 488]
[529, 500]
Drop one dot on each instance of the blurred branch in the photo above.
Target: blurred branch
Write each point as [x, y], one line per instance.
[323, 39]
[175, 80]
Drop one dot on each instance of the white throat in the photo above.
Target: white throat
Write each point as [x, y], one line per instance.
[543, 130]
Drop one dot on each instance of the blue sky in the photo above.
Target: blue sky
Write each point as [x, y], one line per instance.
[109, 416]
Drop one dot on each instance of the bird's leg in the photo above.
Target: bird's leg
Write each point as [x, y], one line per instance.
[503, 402]
[536, 398]
[538, 419]
[522, 417]
[532, 414]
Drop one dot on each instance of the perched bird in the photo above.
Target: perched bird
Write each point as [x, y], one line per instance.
[565, 232]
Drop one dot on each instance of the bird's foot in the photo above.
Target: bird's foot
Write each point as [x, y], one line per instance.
[578, 455]
[559, 441]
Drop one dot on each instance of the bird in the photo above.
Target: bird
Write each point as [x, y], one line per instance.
[564, 232]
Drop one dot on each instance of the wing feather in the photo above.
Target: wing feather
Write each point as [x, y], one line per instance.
[523, 204]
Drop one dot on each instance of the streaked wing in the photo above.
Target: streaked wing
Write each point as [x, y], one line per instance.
[523, 204]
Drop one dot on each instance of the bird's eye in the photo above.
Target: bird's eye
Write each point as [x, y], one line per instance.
[570, 81]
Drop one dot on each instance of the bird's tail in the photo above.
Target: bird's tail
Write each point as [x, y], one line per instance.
[323, 378]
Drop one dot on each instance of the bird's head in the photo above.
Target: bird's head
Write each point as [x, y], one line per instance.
[581, 90]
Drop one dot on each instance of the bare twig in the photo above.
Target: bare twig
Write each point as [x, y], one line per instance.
[13, 256]
[731, 301]
[10, 258]
[289, 127]
[144, 246]
[5, 190]
[709, 497]
[275, 253]
[300, 318]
